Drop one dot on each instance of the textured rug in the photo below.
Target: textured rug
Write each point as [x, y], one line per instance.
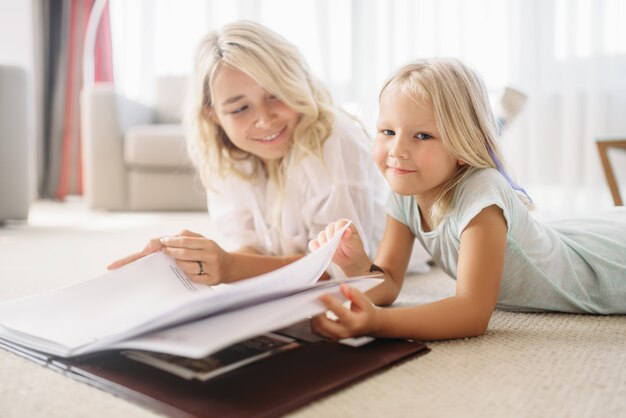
[527, 365]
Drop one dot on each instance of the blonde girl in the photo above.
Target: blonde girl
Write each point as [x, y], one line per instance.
[436, 147]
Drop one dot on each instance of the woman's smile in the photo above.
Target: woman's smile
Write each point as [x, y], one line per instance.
[272, 137]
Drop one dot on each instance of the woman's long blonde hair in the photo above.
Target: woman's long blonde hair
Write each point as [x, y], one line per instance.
[464, 119]
[277, 66]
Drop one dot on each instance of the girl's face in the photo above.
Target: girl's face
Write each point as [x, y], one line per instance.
[408, 149]
[253, 119]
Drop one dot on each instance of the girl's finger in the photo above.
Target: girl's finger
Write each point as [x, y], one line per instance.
[314, 245]
[358, 301]
[335, 306]
[326, 327]
[329, 231]
[321, 237]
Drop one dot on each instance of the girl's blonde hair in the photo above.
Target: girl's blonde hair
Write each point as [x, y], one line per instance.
[464, 119]
[277, 66]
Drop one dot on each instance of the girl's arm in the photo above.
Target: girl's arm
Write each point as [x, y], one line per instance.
[393, 257]
[467, 314]
[394, 254]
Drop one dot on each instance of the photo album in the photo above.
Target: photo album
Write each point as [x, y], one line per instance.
[150, 312]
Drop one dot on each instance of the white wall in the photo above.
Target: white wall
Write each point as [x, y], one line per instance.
[17, 48]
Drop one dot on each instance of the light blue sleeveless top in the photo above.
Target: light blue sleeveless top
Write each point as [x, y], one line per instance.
[576, 265]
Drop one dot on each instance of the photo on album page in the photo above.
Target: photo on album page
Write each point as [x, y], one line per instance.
[220, 362]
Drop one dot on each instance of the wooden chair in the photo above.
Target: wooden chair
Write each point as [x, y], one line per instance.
[603, 145]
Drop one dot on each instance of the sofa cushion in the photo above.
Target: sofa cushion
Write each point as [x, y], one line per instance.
[156, 146]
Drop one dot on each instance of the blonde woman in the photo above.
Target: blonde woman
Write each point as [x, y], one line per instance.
[436, 146]
[279, 161]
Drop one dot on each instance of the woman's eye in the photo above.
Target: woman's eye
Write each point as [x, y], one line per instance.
[423, 136]
[240, 109]
[387, 132]
[272, 98]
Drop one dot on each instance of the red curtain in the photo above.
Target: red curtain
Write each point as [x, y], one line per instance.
[70, 178]
[65, 24]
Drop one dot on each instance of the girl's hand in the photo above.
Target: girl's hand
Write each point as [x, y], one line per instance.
[362, 318]
[350, 254]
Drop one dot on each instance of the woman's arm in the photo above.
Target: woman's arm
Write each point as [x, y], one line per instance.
[466, 314]
[243, 265]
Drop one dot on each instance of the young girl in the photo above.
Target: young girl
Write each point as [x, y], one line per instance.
[436, 146]
[278, 160]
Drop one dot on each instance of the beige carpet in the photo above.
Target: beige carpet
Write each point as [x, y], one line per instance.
[527, 365]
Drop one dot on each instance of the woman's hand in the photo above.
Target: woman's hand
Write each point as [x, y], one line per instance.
[350, 254]
[362, 318]
[201, 259]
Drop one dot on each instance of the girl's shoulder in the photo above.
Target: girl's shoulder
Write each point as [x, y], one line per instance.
[482, 183]
[480, 189]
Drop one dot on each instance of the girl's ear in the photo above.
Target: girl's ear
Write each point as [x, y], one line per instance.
[460, 163]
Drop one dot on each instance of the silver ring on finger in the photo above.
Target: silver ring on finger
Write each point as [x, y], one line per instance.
[201, 272]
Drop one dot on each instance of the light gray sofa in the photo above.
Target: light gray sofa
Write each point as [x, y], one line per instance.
[14, 174]
[134, 156]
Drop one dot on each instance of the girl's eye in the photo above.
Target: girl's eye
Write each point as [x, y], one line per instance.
[423, 136]
[388, 132]
[273, 98]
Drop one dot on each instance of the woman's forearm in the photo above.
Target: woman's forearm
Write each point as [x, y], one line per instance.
[246, 264]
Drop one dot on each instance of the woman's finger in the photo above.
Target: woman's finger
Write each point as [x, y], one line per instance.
[153, 246]
[123, 261]
[186, 242]
[187, 233]
[186, 254]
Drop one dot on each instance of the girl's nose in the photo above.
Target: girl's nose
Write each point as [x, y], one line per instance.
[397, 150]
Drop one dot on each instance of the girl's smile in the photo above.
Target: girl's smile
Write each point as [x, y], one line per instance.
[399, 171]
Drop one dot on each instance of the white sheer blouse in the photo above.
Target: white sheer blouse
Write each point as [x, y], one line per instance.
[346, 184]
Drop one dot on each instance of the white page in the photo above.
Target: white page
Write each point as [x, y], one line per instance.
[112, 303]
[142, 296]
[201, 338]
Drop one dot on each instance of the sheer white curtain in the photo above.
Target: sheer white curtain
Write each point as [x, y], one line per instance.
[568, 56]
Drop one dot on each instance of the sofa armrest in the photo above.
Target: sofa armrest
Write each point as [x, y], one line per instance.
[105, 116]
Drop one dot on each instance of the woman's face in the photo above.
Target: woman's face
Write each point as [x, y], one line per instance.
[252, 117]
